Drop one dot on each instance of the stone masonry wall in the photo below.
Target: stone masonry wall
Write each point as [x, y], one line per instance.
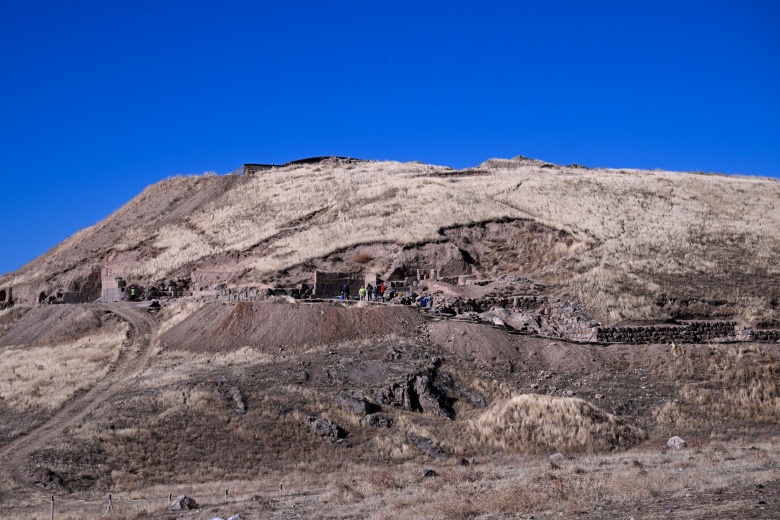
[85, 291]
[330, 284]
[691, 332]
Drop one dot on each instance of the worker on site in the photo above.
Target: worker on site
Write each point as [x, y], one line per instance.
[362, 293]
[133, 294]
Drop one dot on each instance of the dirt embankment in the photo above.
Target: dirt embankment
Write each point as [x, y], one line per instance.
[269, 326]
[51, 324]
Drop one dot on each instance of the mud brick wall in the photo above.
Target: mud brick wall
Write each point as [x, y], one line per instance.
[330, 284]
[85, 291]
[692, 332]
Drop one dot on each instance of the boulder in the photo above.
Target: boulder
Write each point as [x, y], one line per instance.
[428, 472]
[325, 428]
[426, 446]
[676, 443]
[44, 478]
[474, 397]
[377, 420]
[184, 503]
[354, 403]
[429, 397]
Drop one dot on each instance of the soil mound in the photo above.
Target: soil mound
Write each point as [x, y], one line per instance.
[269, 326]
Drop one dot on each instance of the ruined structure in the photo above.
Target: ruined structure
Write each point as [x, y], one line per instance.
[6, 297]
[329, 284]
[85, 290]
[113, 288]
[250, 168]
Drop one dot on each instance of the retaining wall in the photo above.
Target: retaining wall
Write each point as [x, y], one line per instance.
[330, 284]
[84, 291]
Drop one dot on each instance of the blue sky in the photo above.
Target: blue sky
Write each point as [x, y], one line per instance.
[100, 99]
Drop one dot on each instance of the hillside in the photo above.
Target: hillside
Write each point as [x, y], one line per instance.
[630, 244]
[253, 395]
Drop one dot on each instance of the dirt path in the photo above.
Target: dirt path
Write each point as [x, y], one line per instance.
[131, 362]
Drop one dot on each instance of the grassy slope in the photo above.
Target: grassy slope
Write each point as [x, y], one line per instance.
[652, 236]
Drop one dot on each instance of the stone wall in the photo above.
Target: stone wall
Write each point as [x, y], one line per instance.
[253, 294]
[84, 291]
[329, 284]
[758, 335]
[690, 332]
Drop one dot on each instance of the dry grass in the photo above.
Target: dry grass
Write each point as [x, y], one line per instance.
[644, 233]
[742, 388]
[44, 377]
[589, 486]
[530, 422]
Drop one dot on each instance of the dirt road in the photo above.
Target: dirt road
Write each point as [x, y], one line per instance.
[132, 361]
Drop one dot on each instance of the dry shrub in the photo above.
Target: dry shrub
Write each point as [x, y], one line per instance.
[362, 258]
[344, 494]
[531, 422]
[383, 481]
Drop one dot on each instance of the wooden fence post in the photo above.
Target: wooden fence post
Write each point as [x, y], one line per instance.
[52, 507]
[110, 504]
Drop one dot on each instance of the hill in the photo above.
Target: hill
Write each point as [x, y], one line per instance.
[630, 244]
[492, 403]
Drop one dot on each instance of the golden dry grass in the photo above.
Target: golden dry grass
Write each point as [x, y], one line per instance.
[44, 377]
[531, 422]
[741, 388]
[643, 232]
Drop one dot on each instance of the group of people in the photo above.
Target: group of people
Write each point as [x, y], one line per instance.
[369, 293]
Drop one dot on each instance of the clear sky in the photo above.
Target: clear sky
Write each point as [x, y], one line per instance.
[99, 99]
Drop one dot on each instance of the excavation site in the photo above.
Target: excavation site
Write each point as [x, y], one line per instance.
[337, 338]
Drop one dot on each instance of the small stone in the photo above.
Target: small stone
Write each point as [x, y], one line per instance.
[184, 503]
[377, 420]
[599, 396]
[325, 428]
[556, 460]
[676, 443]
[427, 472]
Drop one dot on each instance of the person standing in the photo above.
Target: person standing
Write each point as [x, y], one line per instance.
[362, 293]
[345, 291]
[382, 291]
[369, 292]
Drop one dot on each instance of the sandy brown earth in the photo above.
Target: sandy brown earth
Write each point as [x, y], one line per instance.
[268, 326]
[165, 420]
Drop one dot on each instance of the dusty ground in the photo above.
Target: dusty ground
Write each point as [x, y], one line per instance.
[166, 419]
